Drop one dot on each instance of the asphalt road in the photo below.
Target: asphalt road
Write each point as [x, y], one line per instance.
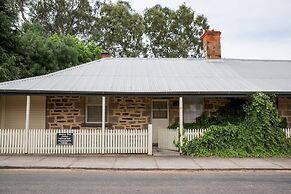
[91, 181]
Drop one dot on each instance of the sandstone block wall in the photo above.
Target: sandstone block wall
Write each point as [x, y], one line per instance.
[284, 108]
[129, 112]
[65, 112]
[68, 112]
[211, 105]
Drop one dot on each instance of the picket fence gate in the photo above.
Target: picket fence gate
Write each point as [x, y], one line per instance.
[85, 141]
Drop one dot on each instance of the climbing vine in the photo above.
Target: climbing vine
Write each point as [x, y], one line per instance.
[257, 135]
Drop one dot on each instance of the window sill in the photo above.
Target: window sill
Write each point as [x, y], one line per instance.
[96, 125]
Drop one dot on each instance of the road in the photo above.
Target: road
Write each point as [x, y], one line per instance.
[92, 181]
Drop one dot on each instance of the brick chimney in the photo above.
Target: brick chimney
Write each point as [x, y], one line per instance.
[211, 44]
[105, 55]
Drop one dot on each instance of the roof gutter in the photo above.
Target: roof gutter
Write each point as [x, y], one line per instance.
[103, 93]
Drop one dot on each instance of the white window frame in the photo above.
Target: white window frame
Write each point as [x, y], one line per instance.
[168, 112]
[96, 104]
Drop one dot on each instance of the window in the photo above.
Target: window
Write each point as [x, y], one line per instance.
[94, 109]
[193, 108]
[160, 109]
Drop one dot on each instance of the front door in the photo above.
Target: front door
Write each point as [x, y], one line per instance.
[160, 117]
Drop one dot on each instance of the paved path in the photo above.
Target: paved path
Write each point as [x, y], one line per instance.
[26, 181]
[142, 162]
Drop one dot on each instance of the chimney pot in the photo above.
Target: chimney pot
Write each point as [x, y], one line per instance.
[105, 55]
[211, 44]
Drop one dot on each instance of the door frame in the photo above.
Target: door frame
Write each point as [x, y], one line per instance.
[152, 114]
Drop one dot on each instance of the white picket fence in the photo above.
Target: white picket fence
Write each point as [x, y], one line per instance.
[287, 132]
[85, 141]
[168, 136]
[193, 133]
[89, 141]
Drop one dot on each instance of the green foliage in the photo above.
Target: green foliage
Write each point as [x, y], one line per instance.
[116, 27]
[119, 29]
[217, 141]
[262, 123]
[44, 54]
[62, 16]
[232, 112]
[283, 124]
[9, 29]
[9, 68]
[201, 122]
[258, 135]
[46, 39]
[174, 33]
[86, 51]
[40, 53]
[8, 41]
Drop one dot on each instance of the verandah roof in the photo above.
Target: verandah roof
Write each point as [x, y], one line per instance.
[160, 76]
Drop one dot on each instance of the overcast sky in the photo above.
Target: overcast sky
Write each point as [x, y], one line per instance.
[251, 29]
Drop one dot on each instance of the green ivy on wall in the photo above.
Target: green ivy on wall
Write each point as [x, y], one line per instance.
[258, 134]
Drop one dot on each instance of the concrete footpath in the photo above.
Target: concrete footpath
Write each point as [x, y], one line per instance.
[141, 162]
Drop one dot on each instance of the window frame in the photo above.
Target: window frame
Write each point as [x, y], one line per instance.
[168, 111]
[96, 104]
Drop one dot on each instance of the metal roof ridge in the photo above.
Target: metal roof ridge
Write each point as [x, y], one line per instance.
[265, 60]
[197, 59]
[154, 58]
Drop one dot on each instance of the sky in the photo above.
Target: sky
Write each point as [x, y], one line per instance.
[251, 29]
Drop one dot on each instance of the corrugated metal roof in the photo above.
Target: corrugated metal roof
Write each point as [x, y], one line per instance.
[161, 76]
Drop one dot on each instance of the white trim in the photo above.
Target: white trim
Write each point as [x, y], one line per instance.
[27, 114]
[181, 120]
[150, 139]
[152, 108]
[103, 122]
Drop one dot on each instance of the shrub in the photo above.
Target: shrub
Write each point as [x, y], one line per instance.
[258, 135]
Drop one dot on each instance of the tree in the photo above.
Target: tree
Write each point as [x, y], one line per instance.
[30, 50]
[43, 53]
[62, 16]
[22, 5]
[8, 41]
[174, 33]
[119, 29]
[8, 20]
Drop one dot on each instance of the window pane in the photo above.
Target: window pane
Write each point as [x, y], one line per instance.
[160, 105]
[193, 108]
[94, 114]
[160, 114]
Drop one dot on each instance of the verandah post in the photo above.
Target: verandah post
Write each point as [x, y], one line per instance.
[181, 121]
[3, 104]
[103, 124]
[150, 139]
[27, 114]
